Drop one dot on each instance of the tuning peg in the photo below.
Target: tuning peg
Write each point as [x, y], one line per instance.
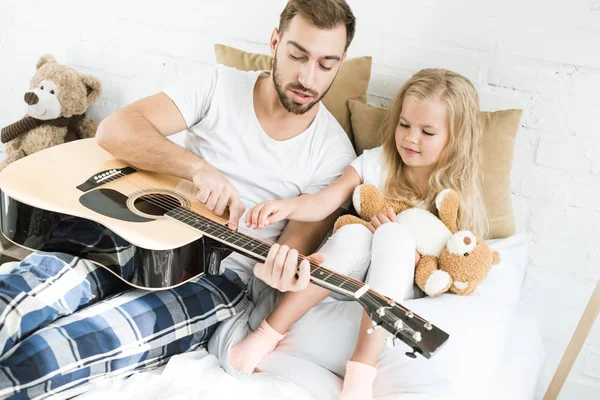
[411, 354]
[391, 338]
[374, 328]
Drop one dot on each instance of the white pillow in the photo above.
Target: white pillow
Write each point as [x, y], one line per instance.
[462, 368]
[504, 282]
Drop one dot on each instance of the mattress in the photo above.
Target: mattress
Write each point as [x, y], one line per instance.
[496, 353]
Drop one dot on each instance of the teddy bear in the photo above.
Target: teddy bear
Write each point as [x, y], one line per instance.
[56, 104]
[451, 260]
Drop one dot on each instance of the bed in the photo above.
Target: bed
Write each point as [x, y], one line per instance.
[494, 352]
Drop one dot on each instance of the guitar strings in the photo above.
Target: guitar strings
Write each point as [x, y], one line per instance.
[372, 299]
[340, 282]
[170, 204]
[167, 204]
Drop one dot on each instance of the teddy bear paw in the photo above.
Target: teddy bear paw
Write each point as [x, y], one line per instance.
[437, 283]
[356, 199]
[461, 285]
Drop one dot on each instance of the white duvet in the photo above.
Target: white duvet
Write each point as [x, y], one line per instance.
[316, 348]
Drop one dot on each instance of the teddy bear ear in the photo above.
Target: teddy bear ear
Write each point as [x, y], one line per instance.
[45, 59]
[94, 87]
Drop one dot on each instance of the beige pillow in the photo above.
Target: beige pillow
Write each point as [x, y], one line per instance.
[351, 82]
[366, 121]
[499, 131]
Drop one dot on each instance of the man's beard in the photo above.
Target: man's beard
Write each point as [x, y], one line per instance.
[289, 104]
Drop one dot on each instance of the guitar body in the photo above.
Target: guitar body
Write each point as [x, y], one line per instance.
[111, 224]
[148, 229]
[38, 229]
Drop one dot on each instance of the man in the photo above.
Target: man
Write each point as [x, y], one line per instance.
[250, 136]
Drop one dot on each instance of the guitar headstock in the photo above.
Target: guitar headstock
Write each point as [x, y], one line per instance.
[418, 333]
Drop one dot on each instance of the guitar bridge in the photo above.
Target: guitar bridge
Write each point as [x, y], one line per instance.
[102, 177]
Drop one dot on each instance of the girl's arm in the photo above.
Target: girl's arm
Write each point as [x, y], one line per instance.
[308, 207]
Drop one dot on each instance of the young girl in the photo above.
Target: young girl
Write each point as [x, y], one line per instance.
[431, 141]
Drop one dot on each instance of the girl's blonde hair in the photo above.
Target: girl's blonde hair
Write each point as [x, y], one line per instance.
[460, 164]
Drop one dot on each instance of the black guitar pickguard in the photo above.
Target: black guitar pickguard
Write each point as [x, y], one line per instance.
[110, 203]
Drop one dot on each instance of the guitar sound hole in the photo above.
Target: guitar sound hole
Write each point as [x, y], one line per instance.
[156, 203]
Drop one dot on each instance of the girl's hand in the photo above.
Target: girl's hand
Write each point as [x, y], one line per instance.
[269, 212]
[381, 219]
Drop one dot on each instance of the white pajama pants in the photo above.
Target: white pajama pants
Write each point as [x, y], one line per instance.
[386, 258]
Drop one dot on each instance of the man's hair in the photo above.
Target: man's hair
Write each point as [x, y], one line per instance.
[324, 14]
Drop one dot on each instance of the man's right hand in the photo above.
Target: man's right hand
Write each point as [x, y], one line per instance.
[217, 193]
[281, 266]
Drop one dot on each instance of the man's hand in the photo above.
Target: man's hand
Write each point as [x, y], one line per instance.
[281, 266]
[217, 193]
[381, 219]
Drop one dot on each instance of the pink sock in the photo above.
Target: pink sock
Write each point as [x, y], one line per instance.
[358, 381]
[245, 355]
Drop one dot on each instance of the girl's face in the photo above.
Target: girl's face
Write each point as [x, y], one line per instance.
[422, 132]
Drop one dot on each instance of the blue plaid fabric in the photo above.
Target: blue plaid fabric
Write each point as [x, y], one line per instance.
[65, 321]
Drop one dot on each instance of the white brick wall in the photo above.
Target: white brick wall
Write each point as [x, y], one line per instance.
[539, 55]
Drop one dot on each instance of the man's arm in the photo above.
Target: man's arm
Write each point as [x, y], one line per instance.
[137, 135]
[307, 236]
[280, 268]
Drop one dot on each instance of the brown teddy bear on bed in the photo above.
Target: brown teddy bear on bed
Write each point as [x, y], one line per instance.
[451, 260]
[56, 104]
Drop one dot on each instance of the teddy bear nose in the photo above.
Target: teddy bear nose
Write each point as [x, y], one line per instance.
[31, 98]
[462, 242]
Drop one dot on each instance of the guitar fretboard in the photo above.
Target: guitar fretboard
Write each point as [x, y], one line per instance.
[258, 250]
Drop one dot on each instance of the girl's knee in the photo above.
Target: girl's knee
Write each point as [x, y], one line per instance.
[348, 250]
[353, 232]
[355, 238]
[399, 233]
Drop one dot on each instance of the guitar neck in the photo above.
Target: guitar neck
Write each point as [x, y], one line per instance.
[258, 250]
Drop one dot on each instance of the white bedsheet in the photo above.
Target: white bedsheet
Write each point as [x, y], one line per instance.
[504, 361]
[195, 375]
[198, 375]
[520, 371]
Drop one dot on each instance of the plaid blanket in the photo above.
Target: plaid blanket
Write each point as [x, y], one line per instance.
[64, 321]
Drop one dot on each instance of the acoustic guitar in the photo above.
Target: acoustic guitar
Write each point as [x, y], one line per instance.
[150, 231]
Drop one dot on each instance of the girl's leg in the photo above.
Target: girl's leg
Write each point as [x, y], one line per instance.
[346, 252]
[392, 274]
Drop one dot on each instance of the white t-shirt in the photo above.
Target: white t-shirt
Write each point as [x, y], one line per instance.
[217, 104]
[371, 167]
